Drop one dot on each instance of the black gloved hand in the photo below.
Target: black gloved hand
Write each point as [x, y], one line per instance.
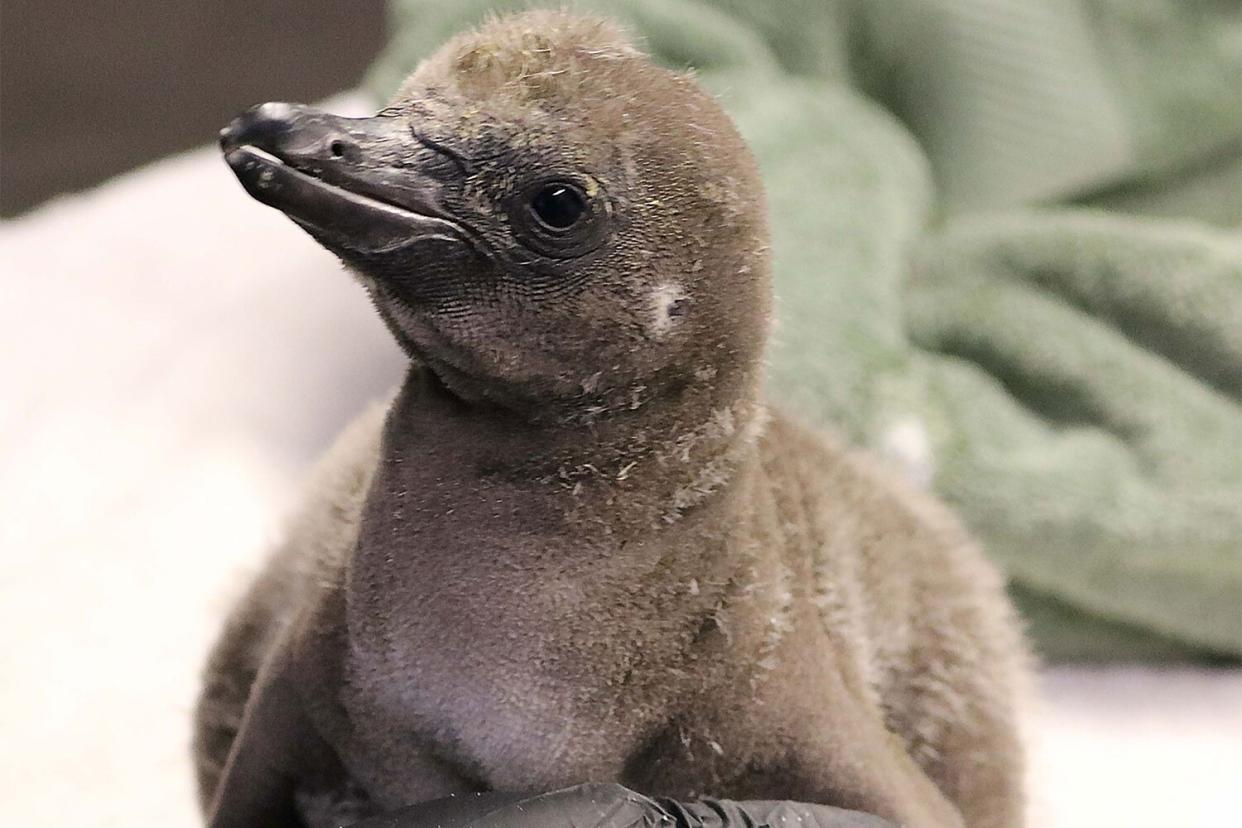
[613, 806]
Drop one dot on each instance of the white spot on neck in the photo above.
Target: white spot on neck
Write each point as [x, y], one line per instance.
[668, 305]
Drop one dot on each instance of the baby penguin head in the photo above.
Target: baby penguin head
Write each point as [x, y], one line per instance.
[544, 218]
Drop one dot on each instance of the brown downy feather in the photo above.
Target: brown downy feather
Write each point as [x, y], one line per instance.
[578, 546]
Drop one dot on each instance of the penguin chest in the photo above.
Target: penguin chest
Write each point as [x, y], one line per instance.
[526, 659]
[505, 725]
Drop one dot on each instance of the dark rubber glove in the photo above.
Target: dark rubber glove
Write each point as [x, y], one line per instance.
[613, 806]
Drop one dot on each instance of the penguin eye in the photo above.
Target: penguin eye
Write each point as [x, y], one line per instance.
[558, 206]
[559, 218]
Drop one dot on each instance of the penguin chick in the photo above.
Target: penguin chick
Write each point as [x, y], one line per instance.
[577, 546]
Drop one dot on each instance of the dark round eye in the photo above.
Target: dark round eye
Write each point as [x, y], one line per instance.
[559, 217]
[558, 206]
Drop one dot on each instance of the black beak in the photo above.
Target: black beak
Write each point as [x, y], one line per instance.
[355, 183]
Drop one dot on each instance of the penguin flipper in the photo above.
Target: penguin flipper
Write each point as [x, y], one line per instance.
[277, 747]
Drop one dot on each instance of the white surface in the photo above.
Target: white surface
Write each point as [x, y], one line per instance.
[1139, 748]
[173, 355]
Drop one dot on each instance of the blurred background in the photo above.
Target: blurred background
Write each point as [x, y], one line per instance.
[1008, 237]
[98, 89]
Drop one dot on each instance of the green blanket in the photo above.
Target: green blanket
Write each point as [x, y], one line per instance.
[1008, 241]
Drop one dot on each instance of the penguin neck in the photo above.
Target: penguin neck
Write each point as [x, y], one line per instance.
[663, 452]
[630, 476]
[474, 513]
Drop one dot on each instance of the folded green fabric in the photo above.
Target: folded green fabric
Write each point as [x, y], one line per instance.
[1008, 254]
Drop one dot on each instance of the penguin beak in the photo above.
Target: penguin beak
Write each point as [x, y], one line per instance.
[348, 181]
